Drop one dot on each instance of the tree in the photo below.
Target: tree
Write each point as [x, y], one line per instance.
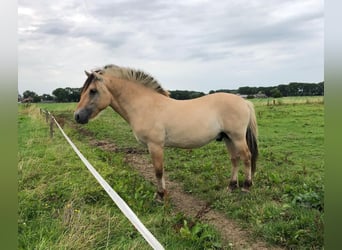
[28, 94]
[284, 89]
[248, 90]
[321, 88]
[61, 95]
[32, 95]
[37, 99]
[73, 94]
[67, 94]
[223, 91]
[275, 93]
[265, 90]
[46, 97]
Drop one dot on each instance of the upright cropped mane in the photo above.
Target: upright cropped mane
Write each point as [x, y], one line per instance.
[136, 75]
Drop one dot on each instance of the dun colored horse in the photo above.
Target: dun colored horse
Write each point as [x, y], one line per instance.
[159, 121]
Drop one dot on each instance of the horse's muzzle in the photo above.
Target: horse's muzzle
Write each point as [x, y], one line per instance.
[82, 116]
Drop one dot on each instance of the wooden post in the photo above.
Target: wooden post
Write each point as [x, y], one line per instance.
[51, 127]
[46, 116]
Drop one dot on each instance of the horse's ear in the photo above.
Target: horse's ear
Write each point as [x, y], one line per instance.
[87, 73]
[98, 77]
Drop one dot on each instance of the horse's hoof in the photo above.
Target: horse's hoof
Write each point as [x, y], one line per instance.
[233, 185]
[160, 196]
[246, 186]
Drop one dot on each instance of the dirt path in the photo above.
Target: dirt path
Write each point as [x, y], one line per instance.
[231, 233]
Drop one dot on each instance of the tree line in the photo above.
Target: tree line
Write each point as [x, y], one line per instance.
[58, 95]
[282, 90]
[292, 89]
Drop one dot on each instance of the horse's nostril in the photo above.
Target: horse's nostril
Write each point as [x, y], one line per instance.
[82, 116]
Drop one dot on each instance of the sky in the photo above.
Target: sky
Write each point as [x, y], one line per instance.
[187, 45]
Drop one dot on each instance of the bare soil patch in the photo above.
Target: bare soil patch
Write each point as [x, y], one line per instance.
[111, 147]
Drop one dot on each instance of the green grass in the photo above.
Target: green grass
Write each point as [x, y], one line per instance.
[285, 206]
[61, 206]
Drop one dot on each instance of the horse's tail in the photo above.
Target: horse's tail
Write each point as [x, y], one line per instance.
[252, 136]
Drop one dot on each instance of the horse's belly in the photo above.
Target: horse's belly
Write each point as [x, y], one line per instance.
[190, 138]
[187, 144]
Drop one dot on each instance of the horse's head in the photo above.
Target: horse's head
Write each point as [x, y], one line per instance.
[94, 97]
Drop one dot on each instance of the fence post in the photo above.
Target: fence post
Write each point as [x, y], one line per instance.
[46, 116]
[51, 126]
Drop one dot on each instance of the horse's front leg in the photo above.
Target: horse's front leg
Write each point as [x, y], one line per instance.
[157, 153]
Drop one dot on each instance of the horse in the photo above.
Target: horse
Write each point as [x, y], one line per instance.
[159, 121]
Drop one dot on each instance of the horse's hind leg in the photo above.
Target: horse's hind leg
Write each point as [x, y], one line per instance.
[234, 158]
[245, 156]
[238, 149]
[157, 153]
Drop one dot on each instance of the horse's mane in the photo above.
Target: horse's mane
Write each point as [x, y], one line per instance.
[132, 74]
[87, 82]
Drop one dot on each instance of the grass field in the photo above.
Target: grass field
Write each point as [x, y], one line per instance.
[61, 206]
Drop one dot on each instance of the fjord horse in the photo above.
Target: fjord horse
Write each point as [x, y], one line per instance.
[159, 121]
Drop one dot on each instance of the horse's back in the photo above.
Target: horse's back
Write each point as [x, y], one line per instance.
[216, 105]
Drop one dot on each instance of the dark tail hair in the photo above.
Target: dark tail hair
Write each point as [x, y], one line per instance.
[252, 136]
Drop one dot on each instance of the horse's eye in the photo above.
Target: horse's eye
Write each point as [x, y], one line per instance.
[92, 91]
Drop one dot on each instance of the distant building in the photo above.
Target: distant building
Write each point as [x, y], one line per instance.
[243, 96]
[27, 100]
[260, 95]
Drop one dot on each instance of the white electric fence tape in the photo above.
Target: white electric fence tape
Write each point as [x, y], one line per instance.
[125, 209]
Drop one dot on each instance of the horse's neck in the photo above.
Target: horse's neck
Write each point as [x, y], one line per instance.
[129, 99]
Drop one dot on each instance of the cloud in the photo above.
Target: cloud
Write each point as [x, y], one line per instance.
[261, 42]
